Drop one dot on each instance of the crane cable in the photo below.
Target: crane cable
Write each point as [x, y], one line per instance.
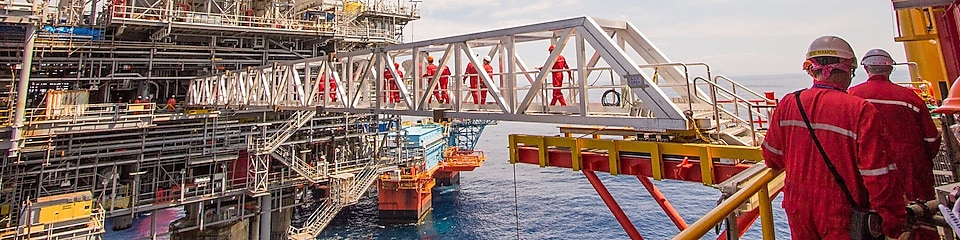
[516, 201]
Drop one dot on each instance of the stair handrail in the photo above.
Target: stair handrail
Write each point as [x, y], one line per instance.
[736, 99]
[297, 120]
[297, 164]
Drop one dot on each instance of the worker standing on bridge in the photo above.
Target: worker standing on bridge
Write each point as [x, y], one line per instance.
[914, 141]
[842, 169]
[558, 68]
[441, 92]
[477, 86]
[393, 95]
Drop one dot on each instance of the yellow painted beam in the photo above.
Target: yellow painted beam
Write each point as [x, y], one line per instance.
[610, 146]
[653, 148]
[706, 165]
[530, 140]
[568, 143]
[736, 152]
[514, 150]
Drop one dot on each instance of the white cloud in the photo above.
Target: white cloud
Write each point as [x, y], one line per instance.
[738, 37]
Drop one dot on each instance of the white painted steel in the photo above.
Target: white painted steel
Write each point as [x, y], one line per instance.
[600, 48]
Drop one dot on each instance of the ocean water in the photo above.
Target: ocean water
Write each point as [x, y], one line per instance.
[504, 201]
[555, 203]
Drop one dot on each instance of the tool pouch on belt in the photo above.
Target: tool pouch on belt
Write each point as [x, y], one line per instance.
[864, 223]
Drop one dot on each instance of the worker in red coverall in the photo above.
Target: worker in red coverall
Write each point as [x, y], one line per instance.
[477, 86]
[393, 95]
[912, 137]
[333, 87]
[441, 91]
[171, 104]
[849, 130]
[558, 67]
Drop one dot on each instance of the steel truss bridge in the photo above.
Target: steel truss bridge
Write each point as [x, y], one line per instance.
[656, 93]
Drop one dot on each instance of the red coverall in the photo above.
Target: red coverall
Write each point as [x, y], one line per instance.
[912, 137]
[560, 64]
[171, 104]
[849, 130]
[478, 86]
[393, 95]
[441, 93]
[333, 87]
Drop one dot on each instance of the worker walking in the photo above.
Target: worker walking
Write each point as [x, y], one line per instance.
[321, 89]
[441, 92]
[912, 137]
[171, 104]
[558, 68]
[393, 94]
[830, 144]
[478, 87]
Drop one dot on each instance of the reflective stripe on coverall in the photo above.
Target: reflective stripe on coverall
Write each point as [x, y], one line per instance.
[849, 132]
[912, 138]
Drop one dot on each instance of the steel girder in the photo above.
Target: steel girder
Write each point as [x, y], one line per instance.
[519, 92]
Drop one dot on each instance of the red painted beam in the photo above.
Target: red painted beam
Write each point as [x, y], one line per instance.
[631, 165]
[664, 204]
[612, 204]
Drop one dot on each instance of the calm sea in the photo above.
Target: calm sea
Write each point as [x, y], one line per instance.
[552, 203]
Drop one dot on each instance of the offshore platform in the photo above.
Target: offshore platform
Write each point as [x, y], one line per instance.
[263, 119]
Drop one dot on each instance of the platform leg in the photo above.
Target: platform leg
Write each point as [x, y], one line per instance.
[612, 204]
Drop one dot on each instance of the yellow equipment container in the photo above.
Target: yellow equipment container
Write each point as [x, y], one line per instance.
[63, 207]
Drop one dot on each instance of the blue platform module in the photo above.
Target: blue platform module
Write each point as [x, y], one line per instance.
[426, 139]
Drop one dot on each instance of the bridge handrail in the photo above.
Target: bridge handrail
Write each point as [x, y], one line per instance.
[758, 186]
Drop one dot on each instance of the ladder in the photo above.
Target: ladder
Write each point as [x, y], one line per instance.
[263, 148]
[339, 199]
[731, 114]
[289, 157]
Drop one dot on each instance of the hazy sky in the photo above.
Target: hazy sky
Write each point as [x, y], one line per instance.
[736, 37]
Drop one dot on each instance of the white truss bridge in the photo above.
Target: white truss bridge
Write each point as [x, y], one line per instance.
[607, 57]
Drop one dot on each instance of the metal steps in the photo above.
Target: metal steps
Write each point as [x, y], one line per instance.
[287, 157]
[339, 199]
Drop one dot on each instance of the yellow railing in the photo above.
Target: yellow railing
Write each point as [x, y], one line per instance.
[758, 186]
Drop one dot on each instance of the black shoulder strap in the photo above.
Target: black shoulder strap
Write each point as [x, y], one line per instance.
[833, 170]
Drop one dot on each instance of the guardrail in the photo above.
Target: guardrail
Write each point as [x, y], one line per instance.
[758, 186]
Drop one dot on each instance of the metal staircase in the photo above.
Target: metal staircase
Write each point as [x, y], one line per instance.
[733, 117]
[355, 186]
[263, 147]
[314, 174]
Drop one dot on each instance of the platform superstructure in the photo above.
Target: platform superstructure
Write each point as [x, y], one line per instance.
[92, 99]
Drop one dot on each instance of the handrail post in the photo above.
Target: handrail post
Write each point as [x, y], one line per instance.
[766, 213]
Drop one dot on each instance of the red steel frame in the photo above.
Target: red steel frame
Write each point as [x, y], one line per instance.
[642, 169]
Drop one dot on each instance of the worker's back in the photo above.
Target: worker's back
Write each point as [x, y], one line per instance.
[912, 137]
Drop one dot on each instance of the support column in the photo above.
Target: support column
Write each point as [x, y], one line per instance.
[23, 87]
[612, 204]
[266, 203]
[664, 204]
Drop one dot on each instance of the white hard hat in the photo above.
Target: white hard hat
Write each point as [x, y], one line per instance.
[830, 46]
[486, 58]
[877, 57]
